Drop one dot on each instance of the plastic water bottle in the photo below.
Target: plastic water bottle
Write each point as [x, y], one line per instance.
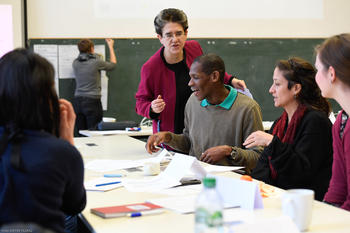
[209, 209]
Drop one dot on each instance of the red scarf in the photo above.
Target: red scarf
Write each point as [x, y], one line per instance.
[288, 135]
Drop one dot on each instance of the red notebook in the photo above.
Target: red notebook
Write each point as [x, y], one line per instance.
[124, 210]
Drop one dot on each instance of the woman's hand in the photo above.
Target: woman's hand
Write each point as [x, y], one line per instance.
[67, 121]
[158, 105]
[258, 138]
[238, 84]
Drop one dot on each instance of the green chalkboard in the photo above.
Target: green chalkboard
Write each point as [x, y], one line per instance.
[250, 59]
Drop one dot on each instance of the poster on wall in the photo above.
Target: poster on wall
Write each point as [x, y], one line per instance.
[50, 52]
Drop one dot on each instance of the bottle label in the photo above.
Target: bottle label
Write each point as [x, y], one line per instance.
[209, 219]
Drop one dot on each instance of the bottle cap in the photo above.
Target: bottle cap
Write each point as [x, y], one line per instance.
[209, 182]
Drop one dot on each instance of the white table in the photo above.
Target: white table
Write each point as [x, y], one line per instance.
[143, 132]
[325, 218]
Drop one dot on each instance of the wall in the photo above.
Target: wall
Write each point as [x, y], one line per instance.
[17, 22]
[309, 21]
[225, 18]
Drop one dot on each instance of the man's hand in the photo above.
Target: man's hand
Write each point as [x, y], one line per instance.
[158, 105]
[215, 154]
[110, 42]
[157, 139]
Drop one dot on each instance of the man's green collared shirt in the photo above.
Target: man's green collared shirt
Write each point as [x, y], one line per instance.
[227, 103]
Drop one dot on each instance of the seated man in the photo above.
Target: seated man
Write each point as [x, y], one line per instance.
[217, 119]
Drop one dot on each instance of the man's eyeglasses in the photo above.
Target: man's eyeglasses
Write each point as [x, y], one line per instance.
[171, 35]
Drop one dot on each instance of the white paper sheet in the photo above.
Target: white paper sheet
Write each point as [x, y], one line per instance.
[104, 92]
[209, 168]
[272, 225]
[91, 184]
[150, 184]
[106, 165]
[50, 52]
[170, 177]
[243, 193]
[235, 215]
[182, 190]
[181, 204]
[66, 56]
[159, 158]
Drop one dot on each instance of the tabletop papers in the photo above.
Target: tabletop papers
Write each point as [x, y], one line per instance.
[107, 165]
[179, 166]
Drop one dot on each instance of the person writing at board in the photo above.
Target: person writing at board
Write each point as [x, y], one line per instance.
[333, 78]
[87, 70]
[298, 148]
[163, 91]
[41, 172]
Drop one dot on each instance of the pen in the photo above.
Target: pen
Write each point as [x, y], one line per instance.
[117, 182]
[133, 129]
[112, 175]
[139, 214]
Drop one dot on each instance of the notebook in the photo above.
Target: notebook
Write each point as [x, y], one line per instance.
[125, 210]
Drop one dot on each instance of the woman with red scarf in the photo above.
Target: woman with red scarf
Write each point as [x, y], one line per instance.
[298, 148]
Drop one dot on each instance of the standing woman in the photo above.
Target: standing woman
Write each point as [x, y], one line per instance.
[163, 90]
[298, 148]
[41, 172]
[333, 78]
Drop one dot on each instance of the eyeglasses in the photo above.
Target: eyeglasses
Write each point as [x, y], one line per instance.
[170, 35]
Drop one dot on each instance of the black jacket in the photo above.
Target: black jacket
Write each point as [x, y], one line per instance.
[307, 163]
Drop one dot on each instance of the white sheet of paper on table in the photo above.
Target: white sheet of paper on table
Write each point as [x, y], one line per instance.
[270, 225]
[243, 193]
[181, 204]
[179, 166]
[209, 168]
[90, 185]
[106, 165]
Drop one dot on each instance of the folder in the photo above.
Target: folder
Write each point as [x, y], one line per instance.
[124, 210]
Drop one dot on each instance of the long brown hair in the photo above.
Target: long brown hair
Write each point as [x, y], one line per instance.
[335, 52]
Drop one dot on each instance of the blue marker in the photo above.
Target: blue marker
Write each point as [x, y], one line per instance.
[133, 129]
[112, 175]
[117, 182]
[150, 212]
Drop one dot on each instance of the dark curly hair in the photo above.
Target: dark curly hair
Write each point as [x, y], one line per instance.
[297, 70]
[170, 15]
